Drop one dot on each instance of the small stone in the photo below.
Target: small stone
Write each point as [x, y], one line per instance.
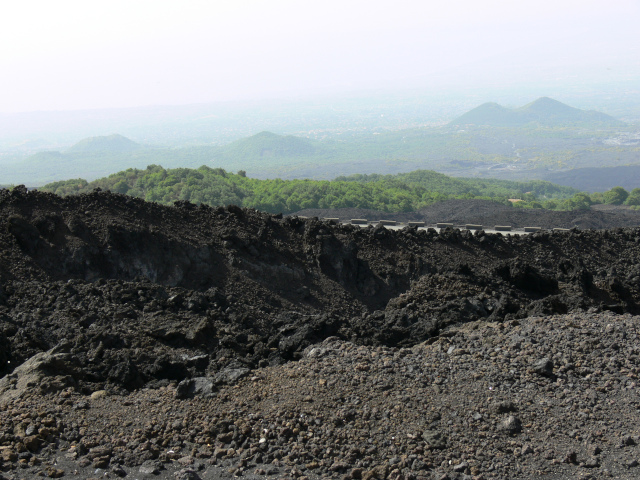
[591, 463]
[225, 437]
[9, 455]
[435, 439]
[148, 470]
[511, 425]
[32, 442]
[338, 466]
[53, 472]
[119, 471]
[461, 467]
[379, 473]
[627, 441]
[543, 367]
[395, 475]
[594, 450]
[504, 407]
[632, 464]
[98, 394]
[150, 467]
[187, 474]
[101, 462]
[570, 457]
[356, 473]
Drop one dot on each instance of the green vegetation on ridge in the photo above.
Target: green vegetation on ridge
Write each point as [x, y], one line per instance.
[389, 193]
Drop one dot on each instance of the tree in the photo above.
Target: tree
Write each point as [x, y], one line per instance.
[121, 187]
[597, 198]
[581, 201]
[634, 197]
[615, 196]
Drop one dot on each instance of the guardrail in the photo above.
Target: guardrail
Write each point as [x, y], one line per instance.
[443, 225]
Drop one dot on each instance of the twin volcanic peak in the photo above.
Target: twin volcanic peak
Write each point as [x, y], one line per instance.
[543, 111]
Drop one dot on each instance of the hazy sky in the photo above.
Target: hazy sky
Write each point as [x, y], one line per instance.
[68, 54]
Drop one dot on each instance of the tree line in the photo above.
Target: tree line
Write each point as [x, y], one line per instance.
[388, 193]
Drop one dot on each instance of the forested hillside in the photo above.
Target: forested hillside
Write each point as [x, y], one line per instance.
[389, 193]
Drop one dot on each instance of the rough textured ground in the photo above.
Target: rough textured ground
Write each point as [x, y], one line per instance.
[143, 341]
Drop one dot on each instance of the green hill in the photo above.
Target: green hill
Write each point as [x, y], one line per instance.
[544, 111]
[105, 144]
[388, 193]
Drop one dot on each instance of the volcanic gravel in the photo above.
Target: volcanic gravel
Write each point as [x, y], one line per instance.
[142, 341]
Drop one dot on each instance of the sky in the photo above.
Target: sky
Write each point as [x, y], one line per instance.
[72, 55]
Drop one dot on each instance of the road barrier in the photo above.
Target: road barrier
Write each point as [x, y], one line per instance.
[442, 225]
[331, 220]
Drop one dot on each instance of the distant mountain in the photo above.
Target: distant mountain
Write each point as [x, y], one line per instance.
[269, 155]
[543, 111]
[488, 114]
[269, 145]
[108, 144]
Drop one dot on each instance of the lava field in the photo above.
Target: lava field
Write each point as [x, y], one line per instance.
[145, 341]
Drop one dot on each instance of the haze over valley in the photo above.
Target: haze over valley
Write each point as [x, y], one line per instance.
[544, 139]
[514, 92]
